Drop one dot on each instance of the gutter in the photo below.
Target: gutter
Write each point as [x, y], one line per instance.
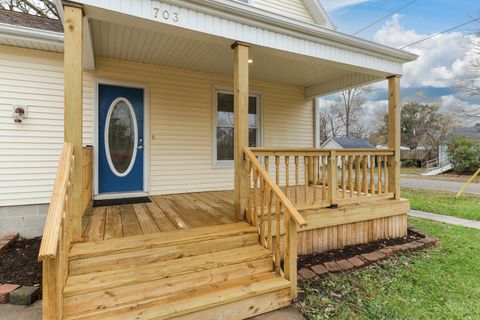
[247, 14]
[31, 34]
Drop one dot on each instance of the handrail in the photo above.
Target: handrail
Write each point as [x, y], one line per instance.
[51, 232]
[292, 211]
[319, 151]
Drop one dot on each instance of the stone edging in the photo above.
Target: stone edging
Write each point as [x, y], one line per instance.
[365, 259]
[14, 293]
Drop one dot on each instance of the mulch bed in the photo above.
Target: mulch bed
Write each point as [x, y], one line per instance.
[351, 251]
[19, 263]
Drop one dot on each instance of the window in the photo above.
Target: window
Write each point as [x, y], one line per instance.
[224, 125]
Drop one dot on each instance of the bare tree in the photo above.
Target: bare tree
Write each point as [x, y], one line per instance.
[330, 124]
[350, 105]
[471, 85]
[42, 8]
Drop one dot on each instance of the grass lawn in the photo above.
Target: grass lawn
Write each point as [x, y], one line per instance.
[467, 206]
[411, 170]
[438, 283]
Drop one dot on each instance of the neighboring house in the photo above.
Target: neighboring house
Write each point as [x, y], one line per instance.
[347, 143]
[158, 89]
[472, 133]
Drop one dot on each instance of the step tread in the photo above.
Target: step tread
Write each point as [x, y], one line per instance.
[148, 256]
[190, 301]
[103, 280]
[112, 246]
[162, 287]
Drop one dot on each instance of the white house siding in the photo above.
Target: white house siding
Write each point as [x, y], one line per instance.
[181, 122]
[289, 8]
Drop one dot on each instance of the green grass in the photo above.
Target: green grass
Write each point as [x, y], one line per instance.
[411, 170]
[467, 206]
[438, 283]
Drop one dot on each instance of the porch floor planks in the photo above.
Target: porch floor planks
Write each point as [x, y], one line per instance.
[164, 214]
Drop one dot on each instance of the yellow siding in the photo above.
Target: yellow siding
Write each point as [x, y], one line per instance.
[29, 151]
[289, 8]
[180, 123]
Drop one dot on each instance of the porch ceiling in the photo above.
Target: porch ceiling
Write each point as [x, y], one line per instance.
[179, 48]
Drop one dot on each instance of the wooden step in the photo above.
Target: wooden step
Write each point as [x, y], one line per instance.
[148, 256]
[228, 294]
[163, 287]
[91, 282]
[157, 240]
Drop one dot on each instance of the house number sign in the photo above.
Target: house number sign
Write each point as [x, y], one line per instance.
[165, 14]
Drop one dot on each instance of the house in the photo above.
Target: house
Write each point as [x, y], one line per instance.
[195, 120]
[346, 143]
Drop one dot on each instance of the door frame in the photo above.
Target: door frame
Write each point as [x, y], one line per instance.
[146, 140]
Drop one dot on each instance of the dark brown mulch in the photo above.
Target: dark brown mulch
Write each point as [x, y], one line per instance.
[351, 251]
[19, 263]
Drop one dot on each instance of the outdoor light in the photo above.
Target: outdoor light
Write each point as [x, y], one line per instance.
[250, 60]
[19, 113]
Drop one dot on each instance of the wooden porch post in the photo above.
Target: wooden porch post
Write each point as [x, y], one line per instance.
[73, 81]
[240, 77]
[394, 134]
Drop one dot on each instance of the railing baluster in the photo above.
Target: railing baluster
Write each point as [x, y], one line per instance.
[314, 182]
[344, 191]
[249, 200]
[350, 177]
[372, 175]
[278, 209]
[305, 172]
[262, 209]
[255, 198]
[379, 160]
[269, 218]
[385, 172]
[267, 163]
[357, 175]
[287, 176]
[277, 170]
[364, 178]
[324, 178]
[296, 180]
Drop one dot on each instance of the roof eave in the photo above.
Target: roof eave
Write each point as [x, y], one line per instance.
[32, 34]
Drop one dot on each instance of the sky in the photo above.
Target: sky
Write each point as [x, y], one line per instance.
[443, 60]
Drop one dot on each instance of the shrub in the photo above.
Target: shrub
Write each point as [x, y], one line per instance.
[464, 154]
[409, 164]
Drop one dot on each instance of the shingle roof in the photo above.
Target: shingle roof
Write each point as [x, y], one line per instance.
[30, 21]
[353, 143]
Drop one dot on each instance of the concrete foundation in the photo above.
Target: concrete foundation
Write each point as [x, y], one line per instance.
[27, 220]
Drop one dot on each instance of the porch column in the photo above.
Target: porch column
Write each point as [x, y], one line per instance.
[240, 79]
[394, 134]
[73, 86]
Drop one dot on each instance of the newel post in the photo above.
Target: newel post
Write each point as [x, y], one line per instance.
[333, 179]
[240, 80]
[73, 86]
[394, 115]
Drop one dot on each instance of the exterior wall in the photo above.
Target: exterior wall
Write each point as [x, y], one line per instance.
[289, 8]
[180, 127]
[28, 220]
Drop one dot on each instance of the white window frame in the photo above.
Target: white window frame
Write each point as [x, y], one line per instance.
[259, 96]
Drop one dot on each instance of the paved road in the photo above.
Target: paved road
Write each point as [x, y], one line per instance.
[445, 219]
[441, 185]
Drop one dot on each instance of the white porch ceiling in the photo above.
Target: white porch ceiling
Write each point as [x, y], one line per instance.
[199, 52]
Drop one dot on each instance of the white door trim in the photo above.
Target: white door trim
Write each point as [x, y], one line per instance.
[146, 140]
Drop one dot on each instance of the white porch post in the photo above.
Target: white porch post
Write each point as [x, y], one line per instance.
[394, 134]
[73, 81]
[240, 76]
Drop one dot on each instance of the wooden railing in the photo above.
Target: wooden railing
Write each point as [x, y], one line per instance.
[267, 205]
[87, 178]
[316, 178]
[56, 239]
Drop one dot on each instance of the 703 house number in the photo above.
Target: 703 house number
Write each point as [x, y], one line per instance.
[166, 15]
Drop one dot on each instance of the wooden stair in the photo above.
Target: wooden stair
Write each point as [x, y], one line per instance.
[218, 272]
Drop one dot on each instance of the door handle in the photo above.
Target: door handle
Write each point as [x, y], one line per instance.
[140, 147]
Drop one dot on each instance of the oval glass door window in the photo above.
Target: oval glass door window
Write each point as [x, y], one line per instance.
[121, 137]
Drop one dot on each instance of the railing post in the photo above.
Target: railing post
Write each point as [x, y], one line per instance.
[240, 79]
[394, 134]
[73, 80]
[332, 179]
[290, 258]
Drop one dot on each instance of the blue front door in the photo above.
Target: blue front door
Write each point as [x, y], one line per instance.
[120, 139]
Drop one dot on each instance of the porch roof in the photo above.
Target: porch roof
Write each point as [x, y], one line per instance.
[196, 35]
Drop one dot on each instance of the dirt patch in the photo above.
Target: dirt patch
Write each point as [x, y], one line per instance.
[19, 263]
[305, 261]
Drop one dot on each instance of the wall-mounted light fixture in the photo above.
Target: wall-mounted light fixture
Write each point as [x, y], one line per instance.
[19, 112]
